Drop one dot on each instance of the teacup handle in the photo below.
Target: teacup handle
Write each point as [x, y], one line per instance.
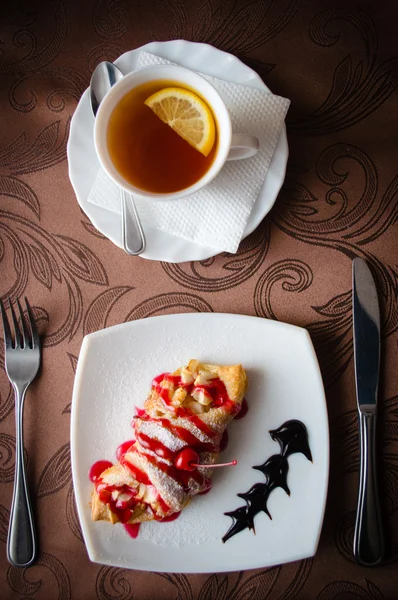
[243, 146]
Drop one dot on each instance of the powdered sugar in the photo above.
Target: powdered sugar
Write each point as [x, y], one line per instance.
[191, 527]
[162, 434]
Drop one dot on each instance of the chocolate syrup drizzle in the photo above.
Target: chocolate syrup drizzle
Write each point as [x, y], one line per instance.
[292, 437]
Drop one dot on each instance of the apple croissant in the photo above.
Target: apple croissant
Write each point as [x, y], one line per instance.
[187, 409]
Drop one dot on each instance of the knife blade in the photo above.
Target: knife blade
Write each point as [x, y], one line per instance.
[369, 546]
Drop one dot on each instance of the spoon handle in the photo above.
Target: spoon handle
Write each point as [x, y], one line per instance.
[133, 238]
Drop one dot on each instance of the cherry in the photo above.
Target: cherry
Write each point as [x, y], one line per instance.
[187, 460]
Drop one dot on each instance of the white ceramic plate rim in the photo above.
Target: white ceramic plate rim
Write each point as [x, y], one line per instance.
[131, 330]
[83, 163]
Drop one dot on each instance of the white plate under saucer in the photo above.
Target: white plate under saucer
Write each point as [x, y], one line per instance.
[84, 164]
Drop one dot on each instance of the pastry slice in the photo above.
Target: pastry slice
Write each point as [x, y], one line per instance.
[189, 408]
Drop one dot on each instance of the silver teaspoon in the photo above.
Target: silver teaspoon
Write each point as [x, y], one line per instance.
[105, 75]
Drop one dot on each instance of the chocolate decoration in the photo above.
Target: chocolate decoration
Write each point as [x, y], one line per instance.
[256, 498]
[275, 470]
[292, 437]
[241, 520]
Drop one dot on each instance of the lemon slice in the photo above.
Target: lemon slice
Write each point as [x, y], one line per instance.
[187, 114]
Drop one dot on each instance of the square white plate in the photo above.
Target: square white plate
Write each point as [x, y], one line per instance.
[114, 374]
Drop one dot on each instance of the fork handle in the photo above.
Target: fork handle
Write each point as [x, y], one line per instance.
[21, 541]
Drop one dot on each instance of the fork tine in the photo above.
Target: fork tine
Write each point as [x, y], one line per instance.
[6, 326]
[18, 334]
[27, 341]
[33, 327]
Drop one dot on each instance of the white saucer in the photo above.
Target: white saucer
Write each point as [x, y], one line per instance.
[84, 164]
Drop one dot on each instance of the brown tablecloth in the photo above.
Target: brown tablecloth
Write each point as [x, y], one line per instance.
[337, 62]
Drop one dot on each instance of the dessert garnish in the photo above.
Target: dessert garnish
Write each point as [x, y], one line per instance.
[186, 113]
[292, 437]
[188, 460]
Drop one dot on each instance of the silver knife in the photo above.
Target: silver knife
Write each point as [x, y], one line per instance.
[369, 545]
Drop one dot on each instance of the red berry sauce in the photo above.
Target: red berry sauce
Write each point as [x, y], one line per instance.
[123, 448]
[132, 529]
[98, 468]
[243, 409]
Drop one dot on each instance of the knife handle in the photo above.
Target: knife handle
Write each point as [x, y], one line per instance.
[369, 547]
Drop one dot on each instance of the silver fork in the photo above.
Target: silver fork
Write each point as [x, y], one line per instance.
[22, 360]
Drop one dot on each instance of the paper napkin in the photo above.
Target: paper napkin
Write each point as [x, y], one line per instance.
[215, 216]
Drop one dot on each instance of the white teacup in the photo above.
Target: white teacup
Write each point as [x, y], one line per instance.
[229, 147]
